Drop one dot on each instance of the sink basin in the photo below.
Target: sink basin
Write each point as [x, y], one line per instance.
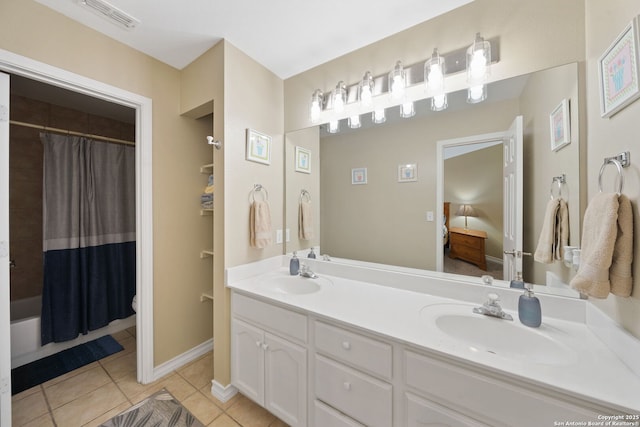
[504, 338]
[294, 285]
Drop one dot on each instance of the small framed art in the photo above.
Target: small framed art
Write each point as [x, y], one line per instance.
[258, 147]
[359, 176]
[560, 126]
[303, 160]
[618, 72]
[408, 172]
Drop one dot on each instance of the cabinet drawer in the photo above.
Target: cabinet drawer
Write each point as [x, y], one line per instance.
[479, 396]
[357, 350]
[360, 396]
[421, 412]
[471, 242]
[326, 416]
[285, 322]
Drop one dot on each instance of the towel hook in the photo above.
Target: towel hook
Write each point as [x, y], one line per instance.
[560, 180]
[304, 194]
[620, 161]
[258, 188]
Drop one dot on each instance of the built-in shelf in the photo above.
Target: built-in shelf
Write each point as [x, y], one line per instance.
[206, 253]
[206, 297]
[206, 212]
[206, 168]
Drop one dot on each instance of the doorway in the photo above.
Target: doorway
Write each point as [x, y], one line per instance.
[35, 70]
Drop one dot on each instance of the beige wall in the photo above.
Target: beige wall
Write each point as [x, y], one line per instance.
[476, 179]
[542, 94]
[524, 47]
[181, 322]
[607, 137]
[385, 221]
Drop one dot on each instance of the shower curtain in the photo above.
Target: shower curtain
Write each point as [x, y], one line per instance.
[89, 235]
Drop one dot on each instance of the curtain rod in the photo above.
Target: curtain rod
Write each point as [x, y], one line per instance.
[70, 132]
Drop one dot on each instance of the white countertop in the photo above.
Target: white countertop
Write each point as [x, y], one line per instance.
[595, 373]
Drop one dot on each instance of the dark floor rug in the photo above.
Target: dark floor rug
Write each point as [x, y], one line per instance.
[158, 410]
[26, 376]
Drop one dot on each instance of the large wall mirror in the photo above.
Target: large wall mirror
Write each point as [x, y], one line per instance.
[373, 189]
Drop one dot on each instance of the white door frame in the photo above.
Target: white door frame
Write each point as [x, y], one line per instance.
[441, 145]
[20, 65]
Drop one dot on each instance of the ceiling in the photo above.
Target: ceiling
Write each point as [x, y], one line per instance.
[286, 36]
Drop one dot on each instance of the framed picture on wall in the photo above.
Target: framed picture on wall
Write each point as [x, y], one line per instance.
[303, 160]
[560, 126]
[408, 172]
[618, 72]
[258, 147]
[358, 176]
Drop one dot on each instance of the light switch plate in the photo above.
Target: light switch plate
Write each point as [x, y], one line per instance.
[430, 216]
[278, 237]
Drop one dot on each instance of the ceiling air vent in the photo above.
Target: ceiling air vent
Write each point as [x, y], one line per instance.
[111, 13]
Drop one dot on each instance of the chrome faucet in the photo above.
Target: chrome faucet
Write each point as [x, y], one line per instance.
[306, 272]
[492, 308]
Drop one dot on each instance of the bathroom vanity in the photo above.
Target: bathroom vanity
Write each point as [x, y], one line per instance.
[334, 351]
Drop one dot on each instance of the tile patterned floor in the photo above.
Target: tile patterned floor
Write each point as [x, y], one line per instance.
[94, 393]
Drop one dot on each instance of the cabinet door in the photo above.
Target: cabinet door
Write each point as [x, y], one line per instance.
[247, 368]
[286, 380]
[421, 413]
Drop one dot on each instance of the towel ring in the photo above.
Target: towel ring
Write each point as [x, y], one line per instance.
[559, 180]
[256, 189]
[618, 166]
[304, 194]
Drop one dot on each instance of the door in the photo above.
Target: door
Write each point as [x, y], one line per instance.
[247, 368]
[286, 380]
[512, 203]
[5, 324]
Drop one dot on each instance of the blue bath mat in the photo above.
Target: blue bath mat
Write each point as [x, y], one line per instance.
[26, 376]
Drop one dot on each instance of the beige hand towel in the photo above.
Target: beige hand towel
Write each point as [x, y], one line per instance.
[546, 241]
[599, 232]
[260, 224]
[620, 271]
[305, 221]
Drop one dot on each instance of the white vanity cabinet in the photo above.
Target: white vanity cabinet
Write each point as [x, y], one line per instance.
[268, 366]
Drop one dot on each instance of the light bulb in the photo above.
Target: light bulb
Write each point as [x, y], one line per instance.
[407, 110]
[333, 126]
[439, 102]
[478, 65]
[354, 122]
[366, 89]
[476, 94]
[315, 111]
[379, 116]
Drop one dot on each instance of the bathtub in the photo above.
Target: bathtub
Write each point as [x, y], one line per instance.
[25, 332]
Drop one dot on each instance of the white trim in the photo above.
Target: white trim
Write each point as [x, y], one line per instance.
[20, 65]
[222, 393]
[182, 359]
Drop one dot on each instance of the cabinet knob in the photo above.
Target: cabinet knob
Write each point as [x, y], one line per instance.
[346, 385]
[346, 345]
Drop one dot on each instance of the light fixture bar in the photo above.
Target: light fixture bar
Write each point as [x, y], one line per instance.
[111, 13]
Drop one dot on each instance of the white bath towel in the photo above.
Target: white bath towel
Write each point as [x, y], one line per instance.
[607, 235]
[260, 224]
[305, 221]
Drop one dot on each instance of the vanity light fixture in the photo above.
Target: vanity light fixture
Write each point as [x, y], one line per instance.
[339, 97]
[407, 109]
[316, 105]
[354, 122]
[478, 69]
[397, 81]
[365, 90]
[378, 116]
[333, 126]
[434, 71]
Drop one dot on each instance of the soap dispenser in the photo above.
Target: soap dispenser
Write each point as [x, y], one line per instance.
[294, 265]
[529, 310]
[311, 253]
[517, 283]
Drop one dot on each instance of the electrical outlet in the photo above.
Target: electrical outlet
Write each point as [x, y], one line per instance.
[430, 216]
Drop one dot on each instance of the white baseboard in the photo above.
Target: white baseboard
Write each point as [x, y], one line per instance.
[182, 359]
[222, 393]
